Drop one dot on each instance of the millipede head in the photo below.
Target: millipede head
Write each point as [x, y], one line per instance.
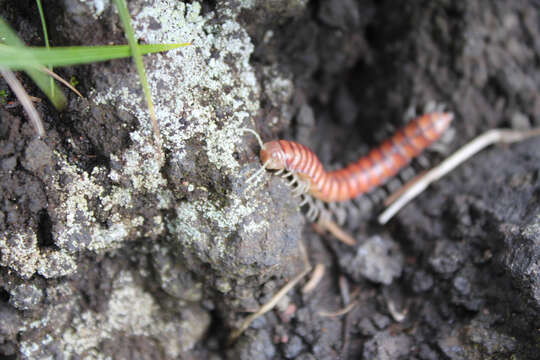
[273, 155]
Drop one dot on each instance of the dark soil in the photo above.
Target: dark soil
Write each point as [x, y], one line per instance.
[94, 264]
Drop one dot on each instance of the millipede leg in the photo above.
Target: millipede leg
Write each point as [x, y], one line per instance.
[313, 212]
[363, 203]
[332, 207]
[338, 212]
[406, 174]
[253, 177]
[287, 174]
[293, 181]
[352, 211]
[257, 173]
[299, 191]
[393, 185]
[430, 106]
[308, 187]
[322, 212]
[303, 188]
[305, 200]
[341, 215]
[422, 160]
[309, 213]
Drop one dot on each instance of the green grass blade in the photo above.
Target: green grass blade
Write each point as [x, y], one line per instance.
[16, 58]
[10, 38]
[137, 57]
[43, 24]
[46, 38]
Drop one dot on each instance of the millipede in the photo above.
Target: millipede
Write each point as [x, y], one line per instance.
[380, 164]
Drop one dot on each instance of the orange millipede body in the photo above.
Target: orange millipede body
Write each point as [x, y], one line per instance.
[368, 172]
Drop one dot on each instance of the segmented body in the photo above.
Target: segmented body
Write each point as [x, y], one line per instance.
[368, 172]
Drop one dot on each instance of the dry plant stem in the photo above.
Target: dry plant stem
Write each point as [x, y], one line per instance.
[488, 138]
[346, 297]
[57, 77]
[344, 290]
[275, 299]
[397, 315]
[340, 312]
[395, 195]
[316, 277]
[270, 304]
[337, 231]
[23, 97]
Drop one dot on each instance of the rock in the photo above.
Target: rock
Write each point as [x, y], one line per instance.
[378, 259]
[257, 345]
[293, 347]
[25, 297]
[386, 346]
[37, 156]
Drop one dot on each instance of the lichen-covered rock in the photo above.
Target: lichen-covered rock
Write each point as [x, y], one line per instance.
[106, 186]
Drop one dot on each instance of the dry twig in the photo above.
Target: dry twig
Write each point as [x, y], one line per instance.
[275, 299]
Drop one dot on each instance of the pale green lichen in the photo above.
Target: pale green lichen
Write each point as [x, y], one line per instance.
[280, 87]
[55, 314]
[532, 229]
[191, 82]
[132, 310]
[224, 221]
[203, 94]
[197, 75]
[78, 227]
[54, 264]
[20, 252]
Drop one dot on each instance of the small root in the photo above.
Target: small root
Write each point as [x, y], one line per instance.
[340, 312]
